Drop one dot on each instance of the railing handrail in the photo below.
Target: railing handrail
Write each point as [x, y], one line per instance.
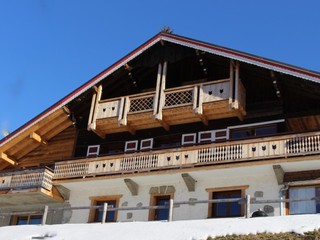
[27, 171]
[247, 201]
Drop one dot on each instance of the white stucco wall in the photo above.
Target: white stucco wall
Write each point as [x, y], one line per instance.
[258, 178]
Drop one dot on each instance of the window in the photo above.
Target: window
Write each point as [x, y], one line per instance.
[159, 200]
[212, 136]
[96, 214]
[146, 144]
[93, 150]
[253, 131]
[131, 146]
[226, 209]
[26, 219]
[304, 207]
[189, 138]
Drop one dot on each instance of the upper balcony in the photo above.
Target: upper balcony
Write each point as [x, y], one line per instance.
[166, 107]
[274, 147]
[28, 187]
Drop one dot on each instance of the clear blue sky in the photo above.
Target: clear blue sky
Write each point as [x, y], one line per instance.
[50, 47]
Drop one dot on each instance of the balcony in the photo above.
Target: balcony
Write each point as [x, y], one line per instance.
[284, 146]
[166, 107]
[28, 187]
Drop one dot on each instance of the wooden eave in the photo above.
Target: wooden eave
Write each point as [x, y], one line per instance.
[13, 149]
[18, 143]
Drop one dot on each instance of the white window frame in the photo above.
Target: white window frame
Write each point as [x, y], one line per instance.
[96, 153]
[150, 146]
[128, 149]
[211, 139]
[194, 135]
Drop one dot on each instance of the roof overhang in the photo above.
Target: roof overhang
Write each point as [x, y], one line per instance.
[187, 42]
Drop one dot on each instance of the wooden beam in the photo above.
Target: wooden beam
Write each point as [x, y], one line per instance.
[6, 158]
[165, 125]
[132, 186]
[189, 181]
[37, 138]
[279, 172]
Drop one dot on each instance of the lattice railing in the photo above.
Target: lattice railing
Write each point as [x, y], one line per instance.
[143, 103]
[28, 179]
[139, 162]
[178, 98]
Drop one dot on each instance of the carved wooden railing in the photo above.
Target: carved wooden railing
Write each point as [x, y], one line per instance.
[173, 97]
[234, 151]
[26, 179]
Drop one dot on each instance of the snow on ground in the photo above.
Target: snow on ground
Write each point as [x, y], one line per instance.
[178, 230]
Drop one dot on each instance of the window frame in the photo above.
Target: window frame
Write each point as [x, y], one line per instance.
[96, 153]
[131, 149]
[150, 146]
[153, 202]
[95, 199]
[14, 219]
[210, 191]
[301, 186]
[193, 141]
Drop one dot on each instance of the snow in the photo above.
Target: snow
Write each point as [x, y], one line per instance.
[178, 230]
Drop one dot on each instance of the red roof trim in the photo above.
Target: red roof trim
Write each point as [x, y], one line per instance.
[245, 55]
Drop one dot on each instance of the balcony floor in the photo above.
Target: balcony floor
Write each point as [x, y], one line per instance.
[32, 196]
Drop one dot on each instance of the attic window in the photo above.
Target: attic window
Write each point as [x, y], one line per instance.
[93, 150]
[189, 138]
[146, 144]
[131, 146]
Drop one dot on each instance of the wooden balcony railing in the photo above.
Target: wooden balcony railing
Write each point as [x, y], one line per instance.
[196, 102]
[283, 146]
[39, 178]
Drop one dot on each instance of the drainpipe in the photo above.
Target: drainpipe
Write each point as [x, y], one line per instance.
[284, 188]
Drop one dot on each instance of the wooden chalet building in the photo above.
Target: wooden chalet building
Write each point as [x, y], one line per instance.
[175, 118]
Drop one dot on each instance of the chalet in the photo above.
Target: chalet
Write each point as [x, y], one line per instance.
[176, 118]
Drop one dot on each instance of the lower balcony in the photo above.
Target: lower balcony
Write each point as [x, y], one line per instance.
[276, 147]
[28, 187]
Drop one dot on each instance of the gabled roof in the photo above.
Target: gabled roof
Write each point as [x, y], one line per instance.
[176, 39]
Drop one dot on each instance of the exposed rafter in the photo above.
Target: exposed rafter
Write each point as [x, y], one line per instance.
[6, 158]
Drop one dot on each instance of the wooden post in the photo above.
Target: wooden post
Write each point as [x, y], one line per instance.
[157, 94]
[247, 206]
[170, 210]
[45, 215]
[93, 106]
[231, 76]
[104, 213]
[97, 98]
[236, 86]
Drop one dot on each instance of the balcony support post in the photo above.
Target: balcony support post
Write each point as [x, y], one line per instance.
[94, 108]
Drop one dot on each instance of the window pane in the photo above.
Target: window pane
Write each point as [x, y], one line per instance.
[226, 209]
[266, 130]
[302, 207]
[22, 220]
[35, 220]
[110, 214]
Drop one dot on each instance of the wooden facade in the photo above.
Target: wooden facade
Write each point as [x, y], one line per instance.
[173, 105]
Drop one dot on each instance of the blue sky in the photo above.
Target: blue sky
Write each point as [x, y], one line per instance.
[50, 47]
